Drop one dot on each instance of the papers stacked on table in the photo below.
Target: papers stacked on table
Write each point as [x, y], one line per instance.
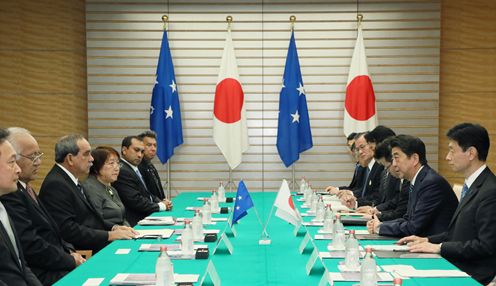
[155, 233]
[149, 278]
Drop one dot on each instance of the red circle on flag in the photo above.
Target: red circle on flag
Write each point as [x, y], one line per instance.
[360, 98]
[290, 202]
[228, 102]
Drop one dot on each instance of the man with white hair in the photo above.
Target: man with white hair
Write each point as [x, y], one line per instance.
[46, 253]
[13, 268]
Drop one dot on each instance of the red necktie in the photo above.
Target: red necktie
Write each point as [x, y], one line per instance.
[31, 193]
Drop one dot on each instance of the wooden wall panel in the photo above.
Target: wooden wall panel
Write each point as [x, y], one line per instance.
[468, 72]
[123, 40]
[43, 70]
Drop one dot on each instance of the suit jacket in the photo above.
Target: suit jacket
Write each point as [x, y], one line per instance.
[46, 253]
[470, 241]
[106, 201]
[139, 202]
[77, 218]
[371, 195]
[151, 178]
[13, 270]
[357, 180]
[430, 207]
[396, 207]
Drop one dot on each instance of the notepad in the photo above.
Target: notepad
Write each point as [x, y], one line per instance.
[155, 233]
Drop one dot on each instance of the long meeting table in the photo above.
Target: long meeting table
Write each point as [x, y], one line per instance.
[279, 263]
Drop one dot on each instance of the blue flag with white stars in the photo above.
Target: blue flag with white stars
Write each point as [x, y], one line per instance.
[165, 113]
[293, 130]
[243, 202]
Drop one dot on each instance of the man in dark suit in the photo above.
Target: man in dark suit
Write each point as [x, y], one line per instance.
[65, 199]
[13, 268]
[432, 202]
[393, 192]
[48, 256]
[146, 167]
[135, 195]
[368, 192]
[470, 240]
[357, 179]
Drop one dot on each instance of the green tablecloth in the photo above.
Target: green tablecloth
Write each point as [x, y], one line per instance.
[279, 263]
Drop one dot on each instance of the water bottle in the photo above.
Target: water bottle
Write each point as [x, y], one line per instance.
[315, 200]
[320, 212]
[164, 270]
[187, 239]
[221, 193]
[397, 282]
[328, 219]
[197, 226]
[352, 257]
[206, 212]
[214, 202]
[338, 234]
[368, 271]
[303, 187]
[309, 193]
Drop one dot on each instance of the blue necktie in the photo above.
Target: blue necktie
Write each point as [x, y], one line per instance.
[464, 192]
[365, 181]
[143, 181]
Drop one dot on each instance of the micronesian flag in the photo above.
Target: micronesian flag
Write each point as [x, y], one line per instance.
[293, 131]
[165, 113]
[243, 202]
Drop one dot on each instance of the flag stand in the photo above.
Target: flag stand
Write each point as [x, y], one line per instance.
[264, 236]
[230, 181]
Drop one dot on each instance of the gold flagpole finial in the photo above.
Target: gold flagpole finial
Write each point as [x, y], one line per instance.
[359, 18]
[165, 20]
[229, 20]
[292, 19]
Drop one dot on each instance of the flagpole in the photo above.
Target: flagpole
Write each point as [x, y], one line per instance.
[292, 19]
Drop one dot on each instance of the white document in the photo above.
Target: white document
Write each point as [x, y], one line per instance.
[93, 282]
[123, 251]
[149, 278]
[313, 223]
[410, 271]
[390, 247]
[170, 247]
[155, 233]
[355, 276]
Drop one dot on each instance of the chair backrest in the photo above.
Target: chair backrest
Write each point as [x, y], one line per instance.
[457, 188]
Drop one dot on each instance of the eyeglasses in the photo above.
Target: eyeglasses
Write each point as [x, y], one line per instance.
[113, 164]
[35, 157]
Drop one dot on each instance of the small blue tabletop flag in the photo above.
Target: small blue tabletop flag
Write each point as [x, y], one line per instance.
[243, 202]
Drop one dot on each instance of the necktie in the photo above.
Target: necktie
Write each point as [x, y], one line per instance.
[4, 220]
[31, 193]
[143, 181]
[365, 181]
[464, 192]
[80, 188]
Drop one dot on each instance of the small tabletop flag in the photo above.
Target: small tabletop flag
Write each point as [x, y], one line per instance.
[165, 114]
[243, 202]
[285, 206]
